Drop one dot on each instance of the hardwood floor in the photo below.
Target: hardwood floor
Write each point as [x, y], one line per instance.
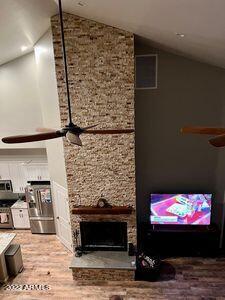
[46, 262]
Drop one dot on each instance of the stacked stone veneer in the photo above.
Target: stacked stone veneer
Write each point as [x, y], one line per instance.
[101, 79]
[99, 274]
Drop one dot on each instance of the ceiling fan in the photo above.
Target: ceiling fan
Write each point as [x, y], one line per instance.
[71, 131]
[217, 141]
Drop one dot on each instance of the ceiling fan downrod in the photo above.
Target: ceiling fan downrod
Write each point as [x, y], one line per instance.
[65, 62]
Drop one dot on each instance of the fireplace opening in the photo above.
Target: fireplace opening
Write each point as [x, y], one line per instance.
[105, 236]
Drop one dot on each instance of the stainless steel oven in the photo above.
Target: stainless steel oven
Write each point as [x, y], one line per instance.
[7, 199]
[6, 186]
[6, 220]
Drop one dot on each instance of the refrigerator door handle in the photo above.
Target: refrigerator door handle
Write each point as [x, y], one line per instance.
[37, 205]
[39, 201]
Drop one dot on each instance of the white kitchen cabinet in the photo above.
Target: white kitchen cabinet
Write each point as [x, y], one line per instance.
[37, 172]
[4, 171]
[18, 177]
[20, 218]
[19, 172]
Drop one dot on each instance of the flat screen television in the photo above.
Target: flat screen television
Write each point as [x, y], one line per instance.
[180, 209]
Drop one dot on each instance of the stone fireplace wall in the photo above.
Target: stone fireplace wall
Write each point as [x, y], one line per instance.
[101, 78]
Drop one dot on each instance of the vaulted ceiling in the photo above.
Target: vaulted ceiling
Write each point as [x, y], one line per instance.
[22, 23]
[202, 23]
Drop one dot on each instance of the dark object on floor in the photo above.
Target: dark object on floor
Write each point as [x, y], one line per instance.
[148, 267]
[48, 273]
[167, 272]
[148, 262]
[115, 297]
[14, 261]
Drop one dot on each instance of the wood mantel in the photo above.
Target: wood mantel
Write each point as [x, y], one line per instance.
[115, 210]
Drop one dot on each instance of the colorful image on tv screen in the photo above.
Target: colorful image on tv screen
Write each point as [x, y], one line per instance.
[184, 209]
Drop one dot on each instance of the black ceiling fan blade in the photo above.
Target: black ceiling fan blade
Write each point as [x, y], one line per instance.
[202, 130]
[109, 131]
[218, 141]
[32, 137]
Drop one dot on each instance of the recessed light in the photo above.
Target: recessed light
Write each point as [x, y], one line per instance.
[24, 48]
[180, 34]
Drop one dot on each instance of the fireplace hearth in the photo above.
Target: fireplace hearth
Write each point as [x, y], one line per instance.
[103, 236]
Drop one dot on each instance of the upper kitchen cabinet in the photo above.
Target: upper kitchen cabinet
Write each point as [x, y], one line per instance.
[4, 171]
[18, 176]
[37, 172]
[20, 172]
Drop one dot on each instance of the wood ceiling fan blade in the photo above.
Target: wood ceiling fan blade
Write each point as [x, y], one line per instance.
[218, 141]
[202, 130]
[73, 138]
[43, 129]
[109, 131]
[32, 137]
[85, 128]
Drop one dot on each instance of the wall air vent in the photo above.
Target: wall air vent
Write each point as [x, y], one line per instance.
[146, 71]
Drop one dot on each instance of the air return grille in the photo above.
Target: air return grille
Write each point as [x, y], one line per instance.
[146, 71]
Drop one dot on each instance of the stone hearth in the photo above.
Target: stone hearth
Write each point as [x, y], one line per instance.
[107, 265]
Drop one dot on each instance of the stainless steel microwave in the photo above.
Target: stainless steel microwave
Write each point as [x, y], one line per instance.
[6, 186]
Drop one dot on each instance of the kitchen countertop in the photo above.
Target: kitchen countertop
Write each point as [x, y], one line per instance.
[5, 241]
[20, 204]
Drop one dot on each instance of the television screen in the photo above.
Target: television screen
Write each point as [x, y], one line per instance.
[184, 209]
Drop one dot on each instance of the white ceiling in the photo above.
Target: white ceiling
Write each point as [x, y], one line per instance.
[202, 22]
[22, 23]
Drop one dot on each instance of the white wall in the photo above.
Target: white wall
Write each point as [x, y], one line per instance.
[20, 109]
[29, 99]
[47, 83]
[46, 77]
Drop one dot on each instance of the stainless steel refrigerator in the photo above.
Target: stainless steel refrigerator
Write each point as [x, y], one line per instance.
[40, 208]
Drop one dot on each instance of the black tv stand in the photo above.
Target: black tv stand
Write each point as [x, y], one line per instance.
[184, 228]
[181, 240]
